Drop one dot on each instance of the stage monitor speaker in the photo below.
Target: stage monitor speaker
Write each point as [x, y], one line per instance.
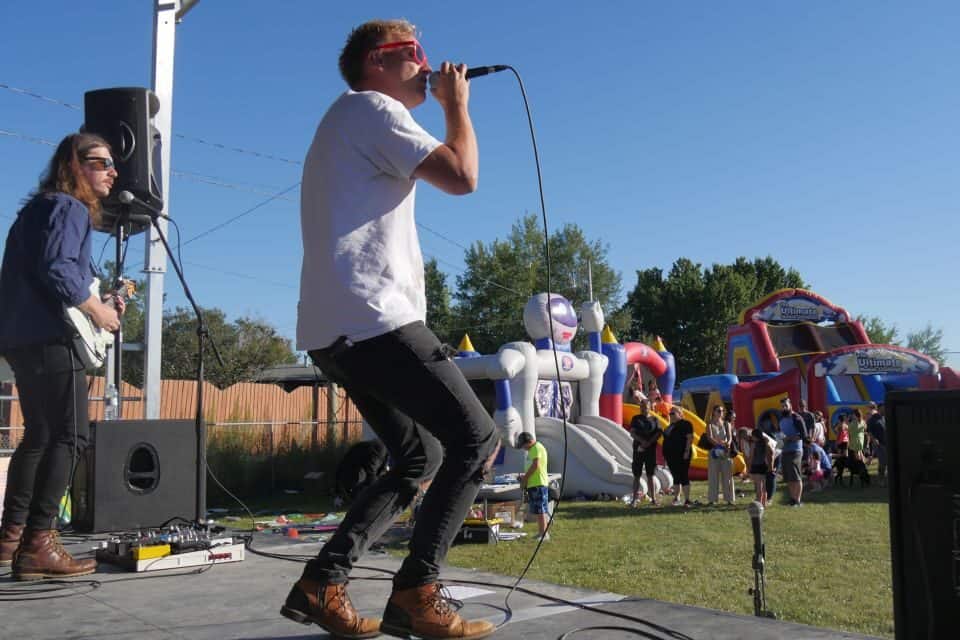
[123, 116]
[136, 473]
[923, 444]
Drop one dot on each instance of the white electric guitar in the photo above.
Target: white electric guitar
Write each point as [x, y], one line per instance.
[89, 340]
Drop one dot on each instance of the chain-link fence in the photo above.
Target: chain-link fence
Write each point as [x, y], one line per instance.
[10, 437]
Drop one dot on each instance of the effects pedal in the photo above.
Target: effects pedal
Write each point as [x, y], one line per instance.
[169, 548]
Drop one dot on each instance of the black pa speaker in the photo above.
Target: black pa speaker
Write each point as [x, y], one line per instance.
[923, 443]
[123, 116]
[136, 473]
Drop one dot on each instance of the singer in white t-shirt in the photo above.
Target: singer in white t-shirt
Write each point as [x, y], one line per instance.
[361, 318]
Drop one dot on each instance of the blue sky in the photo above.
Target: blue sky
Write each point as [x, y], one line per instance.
[823, 133]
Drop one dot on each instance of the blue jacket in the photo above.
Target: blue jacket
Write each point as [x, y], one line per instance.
[825, 463]
[46, 264]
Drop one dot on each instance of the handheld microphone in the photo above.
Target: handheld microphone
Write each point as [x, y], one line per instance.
[473, 72]
[125, 197]
[755, 509]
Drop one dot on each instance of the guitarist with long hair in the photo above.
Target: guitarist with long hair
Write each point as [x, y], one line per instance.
[47, 267]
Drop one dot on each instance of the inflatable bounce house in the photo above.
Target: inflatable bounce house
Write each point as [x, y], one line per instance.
[797, 344]
[588, 395]
[793, 343]
[530, 396]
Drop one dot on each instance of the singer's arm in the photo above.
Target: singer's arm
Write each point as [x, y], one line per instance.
[454, 166]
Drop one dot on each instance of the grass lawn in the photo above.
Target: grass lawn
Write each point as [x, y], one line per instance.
[828, 562]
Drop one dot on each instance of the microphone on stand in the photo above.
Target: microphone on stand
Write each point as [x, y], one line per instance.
[125, 197]
[473, 72]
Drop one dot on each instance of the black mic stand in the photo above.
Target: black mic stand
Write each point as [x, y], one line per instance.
[202, 337]
[122, 234]
[759, 586]
[122, 230]
[759, 564]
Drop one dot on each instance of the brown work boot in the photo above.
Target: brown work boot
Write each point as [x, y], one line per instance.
[424, 612]
[328, 606]
[10, 535]
[42, 556]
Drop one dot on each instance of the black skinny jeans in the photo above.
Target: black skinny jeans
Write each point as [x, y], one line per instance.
[52, 391]
[420, 405]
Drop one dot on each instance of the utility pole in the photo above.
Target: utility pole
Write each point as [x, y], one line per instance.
[166, 15]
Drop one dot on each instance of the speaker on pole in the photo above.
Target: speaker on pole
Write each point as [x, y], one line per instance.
[123, 116]
[924, 452]
[135, 474]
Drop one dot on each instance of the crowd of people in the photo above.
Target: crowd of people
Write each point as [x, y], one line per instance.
[798, 447]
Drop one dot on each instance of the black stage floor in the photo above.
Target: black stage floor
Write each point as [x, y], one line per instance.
[242, 600]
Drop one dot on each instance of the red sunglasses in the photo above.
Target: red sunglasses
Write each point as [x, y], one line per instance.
[418, 55]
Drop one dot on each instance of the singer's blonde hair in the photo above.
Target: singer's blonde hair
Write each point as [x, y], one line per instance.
[362, 41]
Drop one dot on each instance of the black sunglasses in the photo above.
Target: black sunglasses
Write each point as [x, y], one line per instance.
[102, 164]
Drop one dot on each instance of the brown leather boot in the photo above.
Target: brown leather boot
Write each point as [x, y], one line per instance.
[328, 606]
[42, 556]
[424, 612]
[10, 535]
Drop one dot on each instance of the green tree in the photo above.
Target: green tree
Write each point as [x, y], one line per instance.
[439, 313]
[928, 341]
[879, 331]
[247, 344]
[691, 307]
[501, 276]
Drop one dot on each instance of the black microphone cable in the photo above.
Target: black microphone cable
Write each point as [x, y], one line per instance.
[563, 414]
[553, 345]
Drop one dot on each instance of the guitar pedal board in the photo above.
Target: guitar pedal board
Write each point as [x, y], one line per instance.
[169, 548]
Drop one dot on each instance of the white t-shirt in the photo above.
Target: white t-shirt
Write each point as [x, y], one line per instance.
[819, 433]
[362, 272]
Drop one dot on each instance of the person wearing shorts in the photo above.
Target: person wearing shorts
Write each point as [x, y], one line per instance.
[761, 462]
[793, 429]
[645, 431]
[535, 481]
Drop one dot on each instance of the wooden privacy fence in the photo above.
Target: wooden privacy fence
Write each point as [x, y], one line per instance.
[280, 418]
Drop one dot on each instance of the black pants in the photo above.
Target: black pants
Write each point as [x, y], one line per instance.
[646, 458]
[420, 405]
[52, 391]
[771, 480]
[679, 469]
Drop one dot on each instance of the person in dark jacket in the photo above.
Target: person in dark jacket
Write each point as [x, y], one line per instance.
[677, 449]
[645, 431]
[46, 267]
[877, 430]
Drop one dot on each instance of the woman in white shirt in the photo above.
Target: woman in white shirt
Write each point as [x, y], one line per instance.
[720, 466]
